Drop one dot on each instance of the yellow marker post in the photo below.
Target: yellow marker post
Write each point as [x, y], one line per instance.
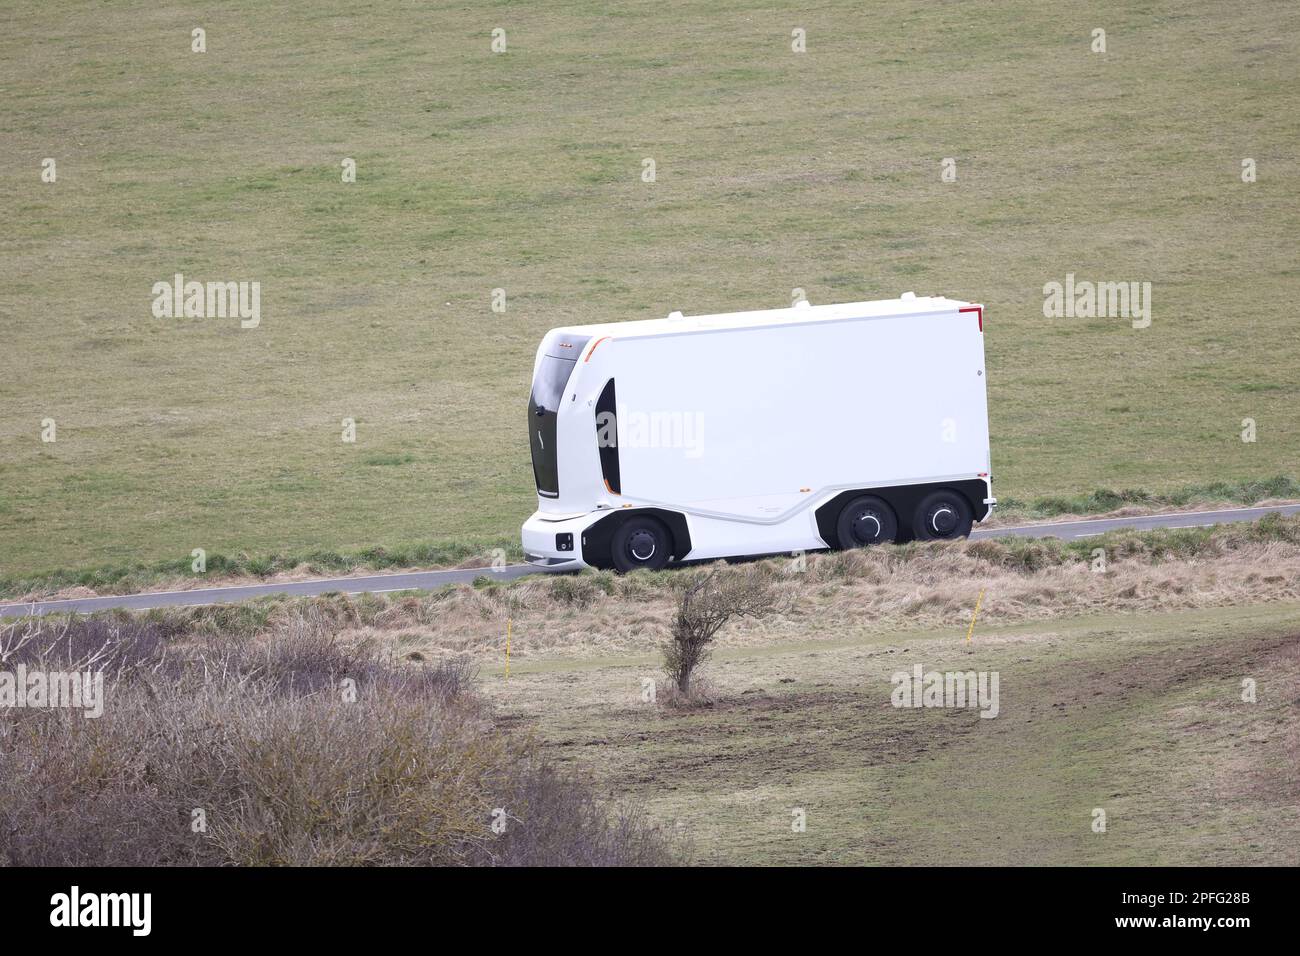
[507, 648]
[971, 630]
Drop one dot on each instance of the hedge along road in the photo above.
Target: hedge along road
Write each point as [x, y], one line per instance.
[429, 580]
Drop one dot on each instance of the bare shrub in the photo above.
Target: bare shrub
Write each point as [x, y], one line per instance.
[255, 752]
[706, 602]
[304, 656]
[111, 644]
[551, 822]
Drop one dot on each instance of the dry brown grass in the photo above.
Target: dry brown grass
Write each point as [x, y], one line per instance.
[892, 588]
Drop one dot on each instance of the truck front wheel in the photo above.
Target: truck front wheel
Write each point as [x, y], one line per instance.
[641, 543]
[866, 520]
[941, 516]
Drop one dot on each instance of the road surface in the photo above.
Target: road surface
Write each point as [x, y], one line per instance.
[426, 580]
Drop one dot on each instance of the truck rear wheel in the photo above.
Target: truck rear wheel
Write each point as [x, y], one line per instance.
[641, 543]
[942, 516]
[866, 520]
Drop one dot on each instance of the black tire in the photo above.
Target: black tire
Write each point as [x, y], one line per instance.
[641, 543]
[942, 516]
[865, 521]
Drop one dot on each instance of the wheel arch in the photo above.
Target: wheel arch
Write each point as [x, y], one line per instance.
[904, 499]
[597, 540]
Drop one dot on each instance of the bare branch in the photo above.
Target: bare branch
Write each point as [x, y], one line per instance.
[707, 603]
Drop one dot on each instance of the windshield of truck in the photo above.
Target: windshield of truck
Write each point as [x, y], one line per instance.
[548, 386]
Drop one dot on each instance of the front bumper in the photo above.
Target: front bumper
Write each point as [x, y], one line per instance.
[542, 536]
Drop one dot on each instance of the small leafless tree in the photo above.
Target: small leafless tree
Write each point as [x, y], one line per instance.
[707, 601]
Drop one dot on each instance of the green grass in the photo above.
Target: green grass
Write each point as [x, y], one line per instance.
[522, 171]
[1105, 499]
[138, 576]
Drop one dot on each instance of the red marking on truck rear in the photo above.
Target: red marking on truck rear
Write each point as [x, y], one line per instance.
[979, 309]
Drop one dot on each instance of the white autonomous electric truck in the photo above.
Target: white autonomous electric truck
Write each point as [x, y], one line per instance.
[812, 427]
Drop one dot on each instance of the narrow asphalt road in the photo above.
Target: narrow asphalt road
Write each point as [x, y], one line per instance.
[425, 580]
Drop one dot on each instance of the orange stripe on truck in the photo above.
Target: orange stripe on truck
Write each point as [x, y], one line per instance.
[593, 348]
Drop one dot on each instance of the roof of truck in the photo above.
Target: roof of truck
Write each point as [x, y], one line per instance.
[678, 323]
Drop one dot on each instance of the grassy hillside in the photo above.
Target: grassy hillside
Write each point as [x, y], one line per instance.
[522, 171]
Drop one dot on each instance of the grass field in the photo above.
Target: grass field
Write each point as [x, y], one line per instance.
[1138, 715]
[522, 171]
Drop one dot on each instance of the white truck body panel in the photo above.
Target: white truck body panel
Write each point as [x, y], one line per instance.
[746, 423]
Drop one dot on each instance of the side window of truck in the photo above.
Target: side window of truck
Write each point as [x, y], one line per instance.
[607, 438]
